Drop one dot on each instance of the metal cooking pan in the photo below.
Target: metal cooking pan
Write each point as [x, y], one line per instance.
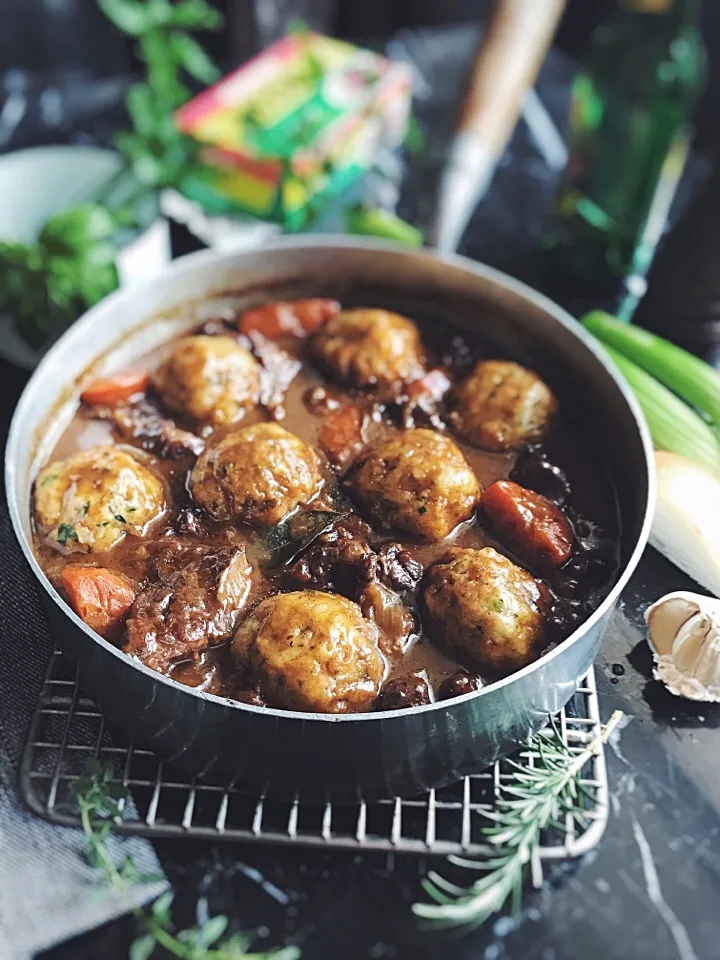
[324, 756]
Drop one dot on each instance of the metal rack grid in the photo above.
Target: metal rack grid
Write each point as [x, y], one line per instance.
[67, 729]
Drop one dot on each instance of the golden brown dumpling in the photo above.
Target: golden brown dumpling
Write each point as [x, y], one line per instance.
[487, 609]
[370, 347]
[91, 499]
[502, 405]
[418, 481]
[209, 378]
[258, 474]
[311, 651]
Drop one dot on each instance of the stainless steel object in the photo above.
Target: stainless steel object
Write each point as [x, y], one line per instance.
[324, 756]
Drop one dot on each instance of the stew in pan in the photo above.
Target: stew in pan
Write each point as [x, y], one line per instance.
[326, 509]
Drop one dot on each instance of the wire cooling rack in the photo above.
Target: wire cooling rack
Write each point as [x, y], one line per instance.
[67, 729]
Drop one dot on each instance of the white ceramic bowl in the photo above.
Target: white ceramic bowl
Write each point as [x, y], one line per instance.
[34, 185]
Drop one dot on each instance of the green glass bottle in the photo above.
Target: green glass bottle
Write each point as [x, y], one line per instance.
[629, 134]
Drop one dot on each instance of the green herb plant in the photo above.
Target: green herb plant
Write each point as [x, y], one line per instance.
[99, 797]
[158, 154]
[70, 267]
[539, 796]
[44, 286]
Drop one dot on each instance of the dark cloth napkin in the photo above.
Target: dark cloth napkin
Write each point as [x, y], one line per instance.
[48, 891]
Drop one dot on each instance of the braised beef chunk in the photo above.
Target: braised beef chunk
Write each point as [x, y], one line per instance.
[278, 370]
[579, 585]
[534, 469]
[189, 523]
[339, 560]
[143, 422]
[409, 691]
[192, 600]
[398, 569]
[343, 560]
[458, 684]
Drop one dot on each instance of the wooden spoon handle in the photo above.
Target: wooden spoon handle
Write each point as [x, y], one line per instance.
[507, 62]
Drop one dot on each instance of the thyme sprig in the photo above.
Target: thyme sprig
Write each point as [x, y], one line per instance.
[538, 797]
[99, 798]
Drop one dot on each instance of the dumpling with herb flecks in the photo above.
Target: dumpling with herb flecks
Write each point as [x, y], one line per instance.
[92, 499]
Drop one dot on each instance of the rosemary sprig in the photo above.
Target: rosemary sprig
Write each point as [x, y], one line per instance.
[537, 798]
[99, 799]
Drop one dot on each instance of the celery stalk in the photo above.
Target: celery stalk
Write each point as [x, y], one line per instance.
[674, 426]
[693, 379]
[376, 222]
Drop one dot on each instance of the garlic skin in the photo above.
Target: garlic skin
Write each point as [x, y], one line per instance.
[686, 525]
[684, 635]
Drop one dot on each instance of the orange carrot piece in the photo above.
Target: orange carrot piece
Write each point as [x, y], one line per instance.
[531, 524]
[288, 318]
[341, 435]
[99, 597]
[111, 390]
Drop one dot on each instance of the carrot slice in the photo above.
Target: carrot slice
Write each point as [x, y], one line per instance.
[531, 524]
[99, 597]
[109, 391]
[341, 435]
[432, 386]
[288, 318]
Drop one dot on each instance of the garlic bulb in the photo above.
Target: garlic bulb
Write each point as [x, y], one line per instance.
[684, 635]
[686, 525]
